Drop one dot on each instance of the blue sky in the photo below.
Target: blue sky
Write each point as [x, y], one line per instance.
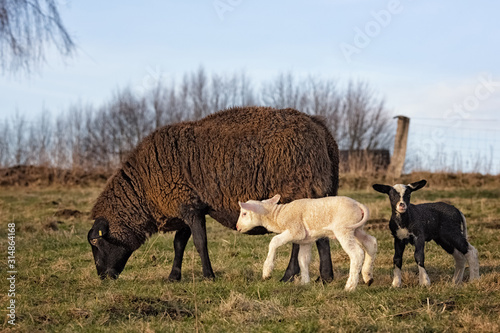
[423, 57]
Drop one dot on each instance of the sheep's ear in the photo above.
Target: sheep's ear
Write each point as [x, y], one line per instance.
[273, 201]
[417, 185]
[99, 229]
[255, 207]
[382, 188]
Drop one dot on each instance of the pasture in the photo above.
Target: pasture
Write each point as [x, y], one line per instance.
[58, 290]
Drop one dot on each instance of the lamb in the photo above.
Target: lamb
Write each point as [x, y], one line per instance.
[417, 224]
[305, 220]
[181, 172]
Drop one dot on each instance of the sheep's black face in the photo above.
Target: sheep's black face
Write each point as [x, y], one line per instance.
[109, 257]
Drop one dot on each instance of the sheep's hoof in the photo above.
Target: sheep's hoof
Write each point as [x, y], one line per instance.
[174, 276]
[288, 278]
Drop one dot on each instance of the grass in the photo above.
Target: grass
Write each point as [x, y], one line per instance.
[57, 288]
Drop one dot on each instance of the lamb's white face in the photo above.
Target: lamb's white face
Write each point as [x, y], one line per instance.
[246, 222]
[252, 212]
[402, 199]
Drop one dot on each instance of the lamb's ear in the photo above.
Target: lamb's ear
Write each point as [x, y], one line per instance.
[273, 201]
[417, 185]
[382, 188]
[255, 207]
[99, 229]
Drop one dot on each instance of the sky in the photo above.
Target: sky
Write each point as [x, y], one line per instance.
[436, 62]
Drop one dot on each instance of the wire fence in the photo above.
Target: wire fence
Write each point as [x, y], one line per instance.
[438, 145]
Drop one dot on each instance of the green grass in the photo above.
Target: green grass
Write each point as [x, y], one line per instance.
[57, 288]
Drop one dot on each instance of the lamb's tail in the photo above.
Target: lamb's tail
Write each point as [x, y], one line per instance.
[365, 215]
[464, 226]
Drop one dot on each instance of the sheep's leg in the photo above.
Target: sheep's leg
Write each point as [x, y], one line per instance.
[304, 260]
[180, 240]
[197, 223]
[325, 259]
[459, 266]
[325, 262]
[293, 265]
[399, 248]
[369, 244]
[472, 259]
[423, 278]
[356, 256]
[276, 242]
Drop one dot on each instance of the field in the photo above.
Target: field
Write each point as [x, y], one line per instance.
[57, 288]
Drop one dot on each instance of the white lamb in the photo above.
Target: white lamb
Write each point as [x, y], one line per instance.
[306, 220]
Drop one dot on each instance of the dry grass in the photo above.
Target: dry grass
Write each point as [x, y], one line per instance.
[58, 289]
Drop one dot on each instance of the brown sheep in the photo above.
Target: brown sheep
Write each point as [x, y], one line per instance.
[181, 172]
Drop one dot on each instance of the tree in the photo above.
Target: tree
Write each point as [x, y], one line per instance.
[365, 119]
[27, 29]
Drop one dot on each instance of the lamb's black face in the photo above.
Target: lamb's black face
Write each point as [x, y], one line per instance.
[399, 194]
[109, 257]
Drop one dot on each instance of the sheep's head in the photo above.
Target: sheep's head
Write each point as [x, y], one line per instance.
[110, 256]
[400, 194]
[253, 211]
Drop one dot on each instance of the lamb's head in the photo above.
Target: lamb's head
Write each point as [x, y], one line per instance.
[400, 194]
[253, 211]
[110, 256]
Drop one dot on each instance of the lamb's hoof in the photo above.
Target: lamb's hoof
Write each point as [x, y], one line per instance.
[350, 288]
[369, 282]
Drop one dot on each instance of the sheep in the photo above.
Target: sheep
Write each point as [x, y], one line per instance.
[181, 172]
[417, 224]
[305, 220]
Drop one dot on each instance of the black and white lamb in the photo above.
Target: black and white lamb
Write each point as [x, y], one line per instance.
[417, 224]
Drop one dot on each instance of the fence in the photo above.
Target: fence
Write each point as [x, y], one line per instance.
[466, 146]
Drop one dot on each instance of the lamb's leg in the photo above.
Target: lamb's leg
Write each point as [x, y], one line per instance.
[399, 248]
[459, 266]
[472, 259]
[180, 240]
[276, 242]
[369, 244]
[356, 255]
[304, 260]
[423, 278]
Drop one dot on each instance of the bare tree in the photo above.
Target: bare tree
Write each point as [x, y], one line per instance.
[27, 28]
[283, 92]
[38, 143]
[365, 119]
[321, 98]
[198, 91]
[18, 140]
[5, 146]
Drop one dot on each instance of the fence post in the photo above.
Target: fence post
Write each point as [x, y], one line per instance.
[398, 157]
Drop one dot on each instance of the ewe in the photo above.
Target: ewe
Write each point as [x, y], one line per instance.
[306, 220]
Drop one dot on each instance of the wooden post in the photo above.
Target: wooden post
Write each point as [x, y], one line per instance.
[398, 157]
